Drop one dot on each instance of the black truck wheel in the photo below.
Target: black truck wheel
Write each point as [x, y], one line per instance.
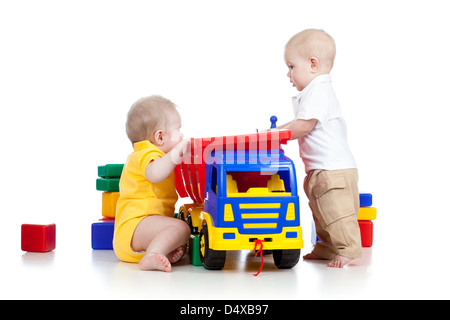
[211, 259]
[286, 259]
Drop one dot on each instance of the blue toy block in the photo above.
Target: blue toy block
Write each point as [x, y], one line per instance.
[365, 200]
[102, 235]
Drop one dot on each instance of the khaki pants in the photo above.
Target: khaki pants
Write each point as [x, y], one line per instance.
[334, 200]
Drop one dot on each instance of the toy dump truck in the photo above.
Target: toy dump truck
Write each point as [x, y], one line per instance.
[244, 190]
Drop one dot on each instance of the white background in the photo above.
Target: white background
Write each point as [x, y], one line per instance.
[70, 70]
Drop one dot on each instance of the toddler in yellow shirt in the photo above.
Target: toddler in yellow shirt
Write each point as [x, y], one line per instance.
[145, 230]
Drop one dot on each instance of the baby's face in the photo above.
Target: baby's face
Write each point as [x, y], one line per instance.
[172, 134]
[299, 72]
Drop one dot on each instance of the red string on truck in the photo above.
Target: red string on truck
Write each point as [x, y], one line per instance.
[260, 251]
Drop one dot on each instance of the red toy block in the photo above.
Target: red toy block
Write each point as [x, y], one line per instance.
[366, 228]
[38, 238]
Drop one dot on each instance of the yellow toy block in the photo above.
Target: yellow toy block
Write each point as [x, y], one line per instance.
[367, 213]
[109, 202]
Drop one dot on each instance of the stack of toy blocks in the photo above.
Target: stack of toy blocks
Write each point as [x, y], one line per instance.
[108, 182]
[366, 214]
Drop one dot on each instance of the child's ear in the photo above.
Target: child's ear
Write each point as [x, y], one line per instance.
[314, 63]
[159, 137]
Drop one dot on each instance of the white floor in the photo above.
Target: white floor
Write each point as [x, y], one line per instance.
[76, 272]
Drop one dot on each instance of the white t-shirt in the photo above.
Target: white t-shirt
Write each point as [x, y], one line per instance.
[325, 147]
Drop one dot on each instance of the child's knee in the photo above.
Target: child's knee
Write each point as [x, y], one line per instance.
[183, 228]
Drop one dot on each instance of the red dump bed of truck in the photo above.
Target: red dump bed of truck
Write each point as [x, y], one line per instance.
[190, 174]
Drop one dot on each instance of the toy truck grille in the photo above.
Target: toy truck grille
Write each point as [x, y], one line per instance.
[254, 217]
[251, 201]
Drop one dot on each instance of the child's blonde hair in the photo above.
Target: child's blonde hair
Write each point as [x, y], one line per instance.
[146, 116]
[317, 43]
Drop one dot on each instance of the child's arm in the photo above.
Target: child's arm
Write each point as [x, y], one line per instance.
[299, 127]
[159, 169]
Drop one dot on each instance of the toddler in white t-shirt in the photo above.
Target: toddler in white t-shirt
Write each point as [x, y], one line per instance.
[331, 184]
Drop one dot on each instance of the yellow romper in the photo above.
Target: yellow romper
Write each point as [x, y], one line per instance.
[140, 198]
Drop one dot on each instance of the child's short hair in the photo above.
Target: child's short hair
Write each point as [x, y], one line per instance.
[146, 116]
[315, 42]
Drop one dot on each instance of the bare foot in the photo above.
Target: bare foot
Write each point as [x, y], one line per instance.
[177, 254]
[339, 261]
[313, 256]
[155, 261]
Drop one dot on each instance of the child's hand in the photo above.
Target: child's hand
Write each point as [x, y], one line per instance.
[180, 150]
[183, 147]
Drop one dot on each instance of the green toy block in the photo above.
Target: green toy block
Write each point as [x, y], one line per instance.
[194, 250]
[108, 185]
[110, 171]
